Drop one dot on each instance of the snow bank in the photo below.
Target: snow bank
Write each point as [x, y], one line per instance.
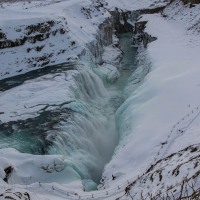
[48, 34]
[161, 116]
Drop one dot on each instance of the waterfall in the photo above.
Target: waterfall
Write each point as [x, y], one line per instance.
[81, 127]
[88, 137]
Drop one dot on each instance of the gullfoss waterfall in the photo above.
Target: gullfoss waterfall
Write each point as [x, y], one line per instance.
[77, 121]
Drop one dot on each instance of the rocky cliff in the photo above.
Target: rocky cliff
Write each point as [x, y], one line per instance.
[191, 1]
[42, 39]
[122, 20]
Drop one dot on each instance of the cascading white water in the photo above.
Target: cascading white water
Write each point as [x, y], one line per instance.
[83, 130]
[89, 136]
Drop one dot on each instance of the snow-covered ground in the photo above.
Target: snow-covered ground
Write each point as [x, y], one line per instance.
[159, 119]
[54, 33]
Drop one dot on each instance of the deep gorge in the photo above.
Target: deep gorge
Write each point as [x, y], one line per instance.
[84, 129]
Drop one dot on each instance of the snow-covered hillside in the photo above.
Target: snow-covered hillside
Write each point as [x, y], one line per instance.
[37, 34]
[158, 155]
[163, 113]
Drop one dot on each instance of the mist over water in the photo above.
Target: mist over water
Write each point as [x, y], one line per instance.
[83, 130]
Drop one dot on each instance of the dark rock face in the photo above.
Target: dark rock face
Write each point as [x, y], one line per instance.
[188, 2]
[2, 36]
[40, 27]
[10, 43]
[121, 23]
[152, 10]
[139, 36]
[121, 18]
[33, 33]
[15, 195]
[8, 172]
[104, 38]
[191, 1]
[104, 35]
[106, 32]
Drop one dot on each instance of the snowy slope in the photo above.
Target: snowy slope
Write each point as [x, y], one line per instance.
[48, 34]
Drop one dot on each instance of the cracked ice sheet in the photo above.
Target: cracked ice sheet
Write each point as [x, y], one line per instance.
[25, 101]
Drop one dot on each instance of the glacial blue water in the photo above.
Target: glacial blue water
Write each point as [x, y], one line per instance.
[84, 130]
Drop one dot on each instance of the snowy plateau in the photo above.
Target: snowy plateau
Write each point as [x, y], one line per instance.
[100, 99]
